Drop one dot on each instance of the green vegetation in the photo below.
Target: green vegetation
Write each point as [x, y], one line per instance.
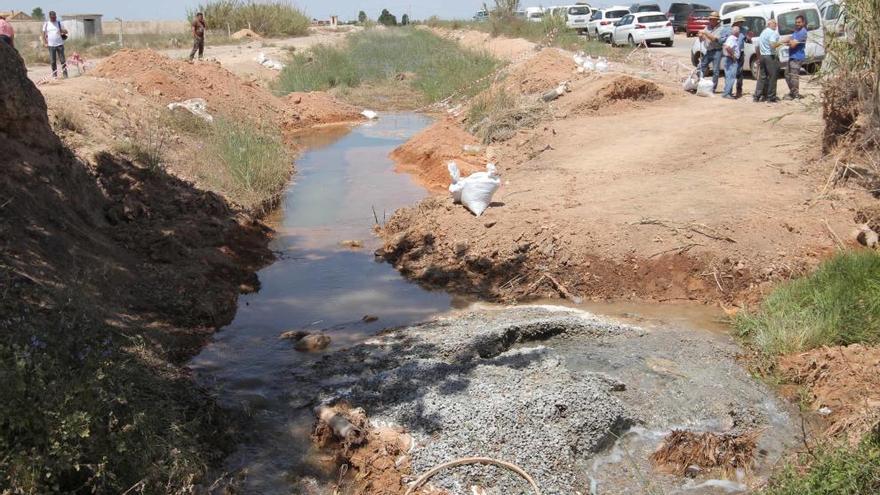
[387, 18]
[251, 164]
[268, 18]
[834, 471]
[86, 409]
[435, 67]
[839, 304]
[147, 144]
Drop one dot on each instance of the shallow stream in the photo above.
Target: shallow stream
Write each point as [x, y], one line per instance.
[345, 183]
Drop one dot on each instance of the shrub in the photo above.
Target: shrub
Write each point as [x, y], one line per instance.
[439, 67]
[834, 471]
[497, 115]
[269, 18]
[839, 304]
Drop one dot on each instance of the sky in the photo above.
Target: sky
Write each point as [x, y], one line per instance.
[321, 9]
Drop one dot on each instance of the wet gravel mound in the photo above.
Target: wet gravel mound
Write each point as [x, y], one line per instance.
[464, 387]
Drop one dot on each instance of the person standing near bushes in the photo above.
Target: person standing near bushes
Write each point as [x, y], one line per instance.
[53, 37]
[7, 34]
[198, 27]
[797, 44]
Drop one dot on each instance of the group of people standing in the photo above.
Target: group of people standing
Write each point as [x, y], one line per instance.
[725, 49]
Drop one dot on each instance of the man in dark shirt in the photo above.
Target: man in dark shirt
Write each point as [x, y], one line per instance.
[198, 27]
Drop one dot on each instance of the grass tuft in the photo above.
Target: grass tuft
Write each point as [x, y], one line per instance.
[66, 119]
[435, 67]
[252, 164]
[496, 116]
[834, 471]
[839, 304]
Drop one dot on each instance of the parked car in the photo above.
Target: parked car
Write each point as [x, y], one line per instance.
[678, 14]
[481, 16]
[785, 13]
[643, 27]
[534, 14]
[730, 7]
[833, 17]
[697, 20]
[601, 24]
[578, 16]
[644, 7]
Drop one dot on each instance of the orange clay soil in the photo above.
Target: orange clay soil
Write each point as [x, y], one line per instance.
[631, 189]
[157, 76]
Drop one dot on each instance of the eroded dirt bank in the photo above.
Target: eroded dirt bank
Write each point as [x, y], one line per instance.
[629, 188]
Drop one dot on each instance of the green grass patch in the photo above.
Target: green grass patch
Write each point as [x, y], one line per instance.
[251, 164]
[839, 304]
[268, 18]
[833, 471]
[434, 67]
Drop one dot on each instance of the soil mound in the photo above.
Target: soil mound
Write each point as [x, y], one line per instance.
[845, 380]
[544, 71]
[427, 153]
[598, 92]
[169, 80]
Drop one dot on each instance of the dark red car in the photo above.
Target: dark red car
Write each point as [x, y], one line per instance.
[696, 21]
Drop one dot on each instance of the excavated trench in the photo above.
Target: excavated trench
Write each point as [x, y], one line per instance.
[552, 389]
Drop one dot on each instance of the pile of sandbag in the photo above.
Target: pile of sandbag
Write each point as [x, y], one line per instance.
[585, 63]
[476, 190]
[196, 106]
[696, 83]
[268, 62]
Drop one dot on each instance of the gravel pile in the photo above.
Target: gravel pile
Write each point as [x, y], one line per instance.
[463, 389]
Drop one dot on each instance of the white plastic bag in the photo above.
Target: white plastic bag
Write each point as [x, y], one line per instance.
[692, 81]
[369, 114]
[196, 106]
[602, 65]
[705, 87]
[476, 190]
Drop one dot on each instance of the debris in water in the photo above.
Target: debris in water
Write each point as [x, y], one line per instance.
[294, 335]
[682, 449]
[369, 318]
[370, 114]
[351, 243]
[312, 342]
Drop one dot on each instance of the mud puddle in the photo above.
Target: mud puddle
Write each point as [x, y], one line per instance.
[344, 183]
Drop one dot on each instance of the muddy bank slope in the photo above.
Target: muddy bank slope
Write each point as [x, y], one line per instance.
[114, 272]
[550, 390]
[629, 189]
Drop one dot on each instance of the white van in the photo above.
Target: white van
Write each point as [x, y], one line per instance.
[578, 16]
[534, 14]
[785, 13]
[730, 7]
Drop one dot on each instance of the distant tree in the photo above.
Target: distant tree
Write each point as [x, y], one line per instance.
[362, 17]
[387, 18]
[504, 8]
[38, 14]
[404, 20]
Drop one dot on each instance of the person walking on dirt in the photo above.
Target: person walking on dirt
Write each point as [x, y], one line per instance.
[731, 61]
[713, 35]
[53, 37]
[739, 21]
[796, 54]
[198, 27]
[768, 67]
[7, 34]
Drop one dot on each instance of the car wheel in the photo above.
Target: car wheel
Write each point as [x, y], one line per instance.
[695, 58]
[688, 34]
[632, 42]
[668, 43]
[754, 66]
[813, 68]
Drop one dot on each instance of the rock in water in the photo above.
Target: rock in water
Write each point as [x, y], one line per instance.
[294, 335]
[312, 343]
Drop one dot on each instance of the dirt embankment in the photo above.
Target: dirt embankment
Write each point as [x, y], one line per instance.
[168, 80]
[631, 188]
[141, 244]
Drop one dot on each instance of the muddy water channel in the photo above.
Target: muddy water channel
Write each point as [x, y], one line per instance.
[317, 284]
[577, 400]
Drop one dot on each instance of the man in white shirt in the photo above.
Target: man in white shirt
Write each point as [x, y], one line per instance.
[731, 61]
[53, 37]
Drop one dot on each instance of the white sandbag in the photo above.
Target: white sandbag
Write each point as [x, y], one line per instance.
[690, 84]
[602, 65]
[588, 64]
[705, 87]
[369, 114]
[267, 62]
[476, 190]
[457, 185]
[579, 59]
[196, 106]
